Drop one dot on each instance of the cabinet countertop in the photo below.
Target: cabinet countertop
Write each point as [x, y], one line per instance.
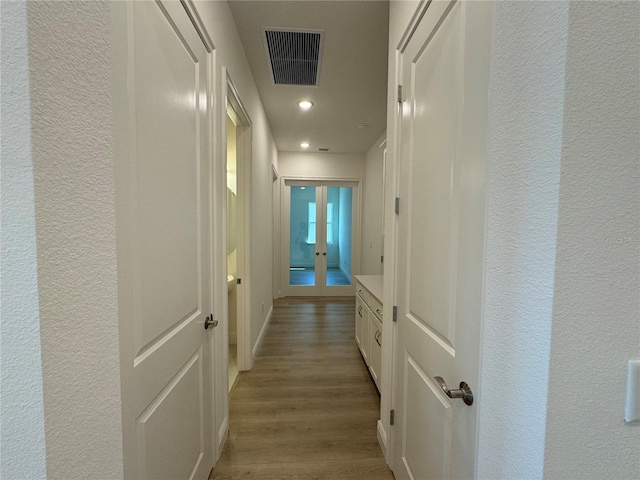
[373, 283]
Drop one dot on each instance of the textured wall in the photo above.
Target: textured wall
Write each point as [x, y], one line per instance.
[22, 414]
[525, 135]
[596, 316]
[70, 69]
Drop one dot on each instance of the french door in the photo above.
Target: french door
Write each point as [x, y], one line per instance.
[319, 256]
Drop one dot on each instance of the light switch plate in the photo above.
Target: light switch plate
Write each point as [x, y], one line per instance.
[632, 410]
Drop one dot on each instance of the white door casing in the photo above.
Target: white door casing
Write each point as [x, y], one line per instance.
[162, 124]
[442, 126]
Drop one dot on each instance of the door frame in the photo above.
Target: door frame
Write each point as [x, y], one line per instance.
[285, 229]
[243, 165]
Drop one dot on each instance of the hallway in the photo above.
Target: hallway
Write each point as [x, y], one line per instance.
[308, 409]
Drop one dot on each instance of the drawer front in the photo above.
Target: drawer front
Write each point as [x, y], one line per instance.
[363, 292]
[376, 307]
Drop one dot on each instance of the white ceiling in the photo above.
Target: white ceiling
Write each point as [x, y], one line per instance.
[353, 72]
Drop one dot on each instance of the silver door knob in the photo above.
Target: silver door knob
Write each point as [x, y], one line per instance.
[210, 322]
[464, 392]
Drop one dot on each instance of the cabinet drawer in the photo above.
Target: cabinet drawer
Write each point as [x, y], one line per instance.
[363, 292]
[376, 307]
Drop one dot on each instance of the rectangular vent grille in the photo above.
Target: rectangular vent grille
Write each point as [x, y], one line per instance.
[294, 56]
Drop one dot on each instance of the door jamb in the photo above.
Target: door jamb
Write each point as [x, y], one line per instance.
[243, 160]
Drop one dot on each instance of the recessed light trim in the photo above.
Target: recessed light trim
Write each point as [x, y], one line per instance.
[305, 104]
[305, 144]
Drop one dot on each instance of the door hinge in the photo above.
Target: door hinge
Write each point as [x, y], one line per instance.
[397, 206]
[399, 93]
[239, 281]
[381, 258]
[392, 417]
[395, 313]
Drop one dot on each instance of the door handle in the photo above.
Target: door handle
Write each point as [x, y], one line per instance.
[324, 253]
[317, 253]
[210, 322]
[464, 392]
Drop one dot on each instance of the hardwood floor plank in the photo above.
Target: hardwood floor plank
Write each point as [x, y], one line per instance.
[308, 409]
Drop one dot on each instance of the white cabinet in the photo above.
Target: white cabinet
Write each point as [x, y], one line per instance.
[368, 331]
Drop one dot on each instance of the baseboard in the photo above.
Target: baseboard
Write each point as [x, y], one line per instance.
[382, 440]
[256, 347]
[233, 338]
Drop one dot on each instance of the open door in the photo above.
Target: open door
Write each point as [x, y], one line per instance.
[442, 120]
[163, 211]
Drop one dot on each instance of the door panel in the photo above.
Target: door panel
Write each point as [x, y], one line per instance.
[163, 240]
[431, 416]
[178, 411]
[440, 243]
[434, 180]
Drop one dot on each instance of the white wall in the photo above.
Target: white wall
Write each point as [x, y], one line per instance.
[21, 408]
[562, 270]
[70, 85]
[596, 308]
[372, 210]
[337, 166]
[525, 134]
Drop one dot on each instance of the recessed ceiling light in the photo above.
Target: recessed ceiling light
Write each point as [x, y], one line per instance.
[305, 104]
[305, 144]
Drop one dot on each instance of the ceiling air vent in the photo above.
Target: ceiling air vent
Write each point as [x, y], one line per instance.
[294, 56]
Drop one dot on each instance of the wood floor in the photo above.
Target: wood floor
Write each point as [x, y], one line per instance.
[308, 409]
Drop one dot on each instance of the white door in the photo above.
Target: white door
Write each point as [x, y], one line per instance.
[164, 277]
[320, 256]
[441, 233]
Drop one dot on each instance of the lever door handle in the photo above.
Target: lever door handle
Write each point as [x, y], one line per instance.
[464, 392]
[210, 322]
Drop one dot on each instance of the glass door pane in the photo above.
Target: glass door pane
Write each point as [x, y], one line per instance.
[302, 241]
[338, 226]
